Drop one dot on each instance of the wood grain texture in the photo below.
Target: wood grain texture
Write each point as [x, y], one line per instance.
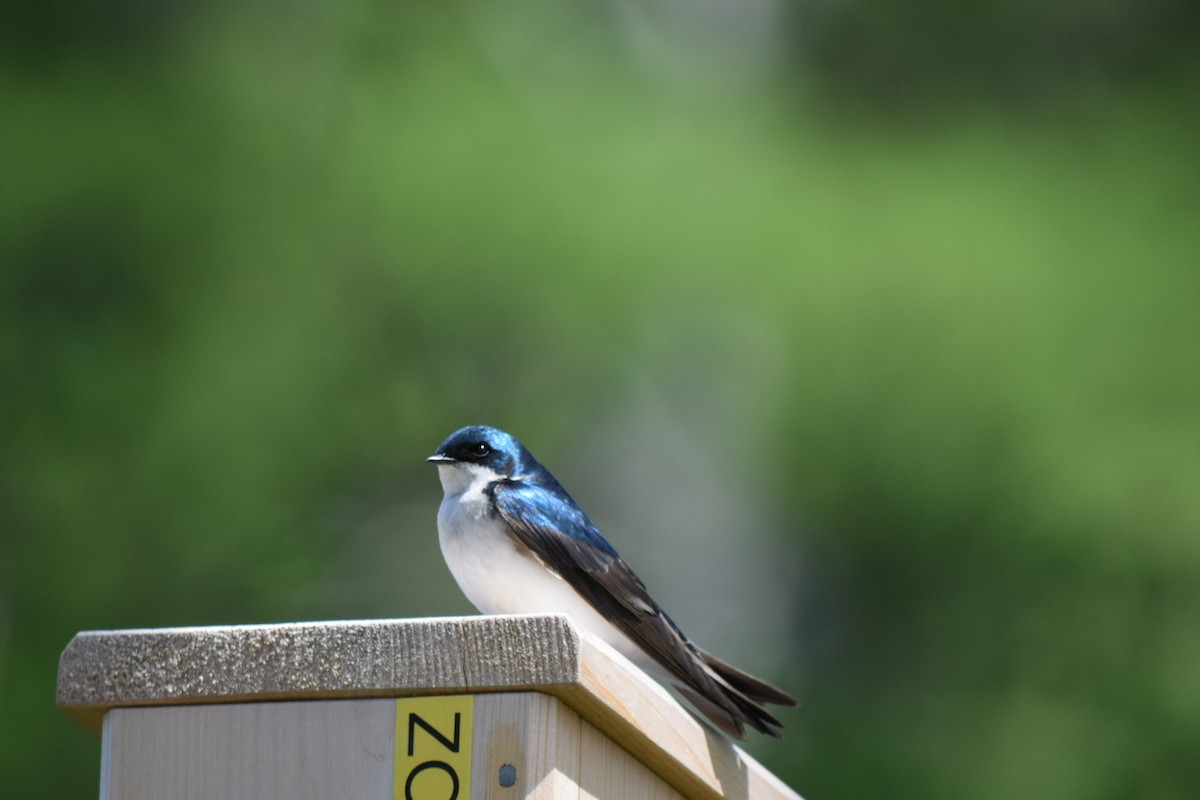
[99, 670]
[346, 749]
[537, 735]
[390, 658]
[250, 751]
[606, 771]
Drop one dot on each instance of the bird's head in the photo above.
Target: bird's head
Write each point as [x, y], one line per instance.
[478, 451]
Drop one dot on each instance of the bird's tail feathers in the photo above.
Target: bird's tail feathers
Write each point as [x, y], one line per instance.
[758, 691]
[733, 699]
[733, 711]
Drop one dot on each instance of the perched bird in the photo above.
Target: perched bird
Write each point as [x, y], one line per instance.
[518, 544]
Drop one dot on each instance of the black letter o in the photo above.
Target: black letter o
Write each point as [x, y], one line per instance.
[428, 764]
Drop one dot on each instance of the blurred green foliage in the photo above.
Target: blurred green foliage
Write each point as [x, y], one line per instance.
[256, 260]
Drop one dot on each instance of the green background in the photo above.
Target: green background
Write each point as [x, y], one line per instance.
[867, 332]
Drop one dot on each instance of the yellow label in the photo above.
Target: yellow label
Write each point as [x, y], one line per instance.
[433, 748]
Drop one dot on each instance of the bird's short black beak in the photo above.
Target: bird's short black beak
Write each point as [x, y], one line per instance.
[438, 458]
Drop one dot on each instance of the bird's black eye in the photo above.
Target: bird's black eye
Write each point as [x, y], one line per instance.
[480, 449]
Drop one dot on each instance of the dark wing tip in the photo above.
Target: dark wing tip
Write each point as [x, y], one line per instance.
[754, 688]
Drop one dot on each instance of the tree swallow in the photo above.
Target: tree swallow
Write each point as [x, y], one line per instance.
[517, 543]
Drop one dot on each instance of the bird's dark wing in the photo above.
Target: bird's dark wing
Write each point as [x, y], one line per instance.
[558, 532]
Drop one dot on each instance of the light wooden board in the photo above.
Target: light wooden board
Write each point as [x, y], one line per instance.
[249, 751]
[607, 771]
[347, 749]
[535, 734]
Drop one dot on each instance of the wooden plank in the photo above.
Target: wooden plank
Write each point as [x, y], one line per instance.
[99, 670]
[526, 746]
[536, 735]
[607, 772]
[250, 751]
